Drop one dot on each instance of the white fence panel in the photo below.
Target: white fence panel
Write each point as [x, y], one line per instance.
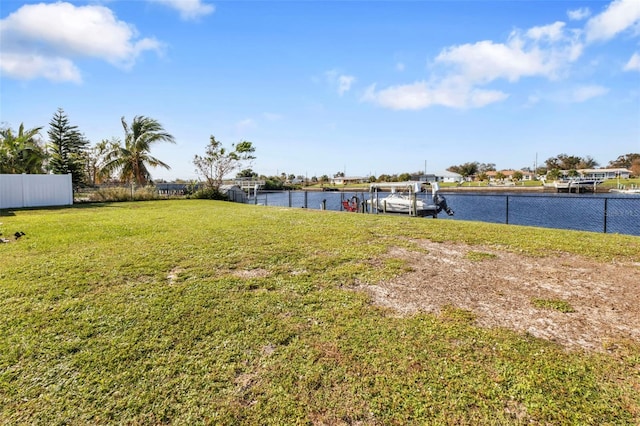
[18, 191]
[11, 191]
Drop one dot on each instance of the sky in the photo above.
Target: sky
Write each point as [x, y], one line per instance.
[321, 87]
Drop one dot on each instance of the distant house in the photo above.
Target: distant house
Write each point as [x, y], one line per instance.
[445, 176]
[343, 180]
[605, 173]
[508, 175]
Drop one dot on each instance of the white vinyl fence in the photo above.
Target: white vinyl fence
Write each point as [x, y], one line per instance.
[18, 191]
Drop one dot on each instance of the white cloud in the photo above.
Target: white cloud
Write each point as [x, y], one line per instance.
[342, 82]
[618, 17]
[420, 95]
[634, 63]
[579, 14]
[79, 31]
[585, 93]
[486, 61]
[28, 67]
[461, 71]
[541, 51]
[553, 32]
[189, 9]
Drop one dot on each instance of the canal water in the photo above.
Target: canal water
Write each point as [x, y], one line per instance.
[586, 212]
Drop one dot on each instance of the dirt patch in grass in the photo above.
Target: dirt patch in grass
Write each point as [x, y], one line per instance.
[501, 288]
[173, 274]
[251, 273]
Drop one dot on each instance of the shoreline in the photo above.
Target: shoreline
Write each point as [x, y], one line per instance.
[496, 189]
[445, 189]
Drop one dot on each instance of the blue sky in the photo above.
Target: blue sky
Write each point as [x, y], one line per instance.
[363, 87]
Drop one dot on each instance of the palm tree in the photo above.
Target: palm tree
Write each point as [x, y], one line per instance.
[21, 153]
[133, 159]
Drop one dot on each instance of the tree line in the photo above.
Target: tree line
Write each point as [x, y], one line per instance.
[67, 151]
[124, 161]
[553, 166]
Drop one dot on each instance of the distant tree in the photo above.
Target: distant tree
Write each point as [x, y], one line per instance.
[554, 174]
[21, 152]
[324, 179]
[517, 176]
[67, 147]
[588, 163]
[466, 169]
[488, 167]
[132, 161]
[219, 161]
[273, 183]
[403, 177]
[573, 173]
[372, 179]
[482, 176]
[553, 163]
[95, 158]
[384, 178]
[564, 162]
[624, 161]
[339, 174]
[500, 176]
[247, 173]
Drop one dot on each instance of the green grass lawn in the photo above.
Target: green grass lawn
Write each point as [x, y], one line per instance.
[203, 312]
[626, 183]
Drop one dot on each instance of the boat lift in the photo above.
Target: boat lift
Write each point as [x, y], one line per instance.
[409, 203]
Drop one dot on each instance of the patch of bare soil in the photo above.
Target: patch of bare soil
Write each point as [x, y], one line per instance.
[172, 276]
[500, 287]
[251, 273]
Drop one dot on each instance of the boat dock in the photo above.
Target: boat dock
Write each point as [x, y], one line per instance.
[576, 186]
[406, 201]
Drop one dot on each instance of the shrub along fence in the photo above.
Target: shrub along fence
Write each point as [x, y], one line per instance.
[119, 192]
[106, 193]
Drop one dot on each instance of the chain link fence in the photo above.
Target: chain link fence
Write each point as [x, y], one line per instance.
[596, 213]
[584, 212]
